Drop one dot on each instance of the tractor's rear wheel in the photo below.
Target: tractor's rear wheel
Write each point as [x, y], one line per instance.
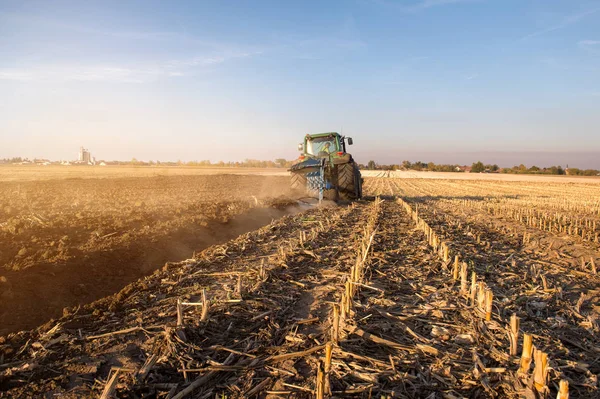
[349, 181]
[331, 194]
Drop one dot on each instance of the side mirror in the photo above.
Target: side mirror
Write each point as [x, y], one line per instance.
[350, 141]
[300, 147]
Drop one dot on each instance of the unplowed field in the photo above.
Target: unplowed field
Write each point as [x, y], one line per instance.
[429, 289]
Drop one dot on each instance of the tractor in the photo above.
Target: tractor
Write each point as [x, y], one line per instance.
[325, 170]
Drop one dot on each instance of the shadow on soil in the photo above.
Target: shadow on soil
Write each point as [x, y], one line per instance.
[37, 294]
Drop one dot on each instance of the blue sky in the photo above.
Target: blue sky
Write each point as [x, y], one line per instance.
[441, 80]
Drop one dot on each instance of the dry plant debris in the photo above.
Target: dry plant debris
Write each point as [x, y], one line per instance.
[430, 289]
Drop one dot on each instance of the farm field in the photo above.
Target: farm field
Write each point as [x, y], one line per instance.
[19, 173]
[71, 241]
[500, 177]
[426, 288]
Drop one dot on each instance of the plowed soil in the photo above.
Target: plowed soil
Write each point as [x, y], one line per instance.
[72, 241]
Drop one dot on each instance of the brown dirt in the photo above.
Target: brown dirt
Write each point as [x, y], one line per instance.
[70, 242]
[20, 173]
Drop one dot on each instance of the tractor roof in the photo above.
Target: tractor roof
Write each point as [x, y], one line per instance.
[315, 135]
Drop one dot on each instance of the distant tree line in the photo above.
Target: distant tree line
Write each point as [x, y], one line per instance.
[480, 167]
[552, 170]
[583, 172]
[476, 167]
[418, 166]
[13, 160]
[248, 163]
[19, 160]
[534, 170]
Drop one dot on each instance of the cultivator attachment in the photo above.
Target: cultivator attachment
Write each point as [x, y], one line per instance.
[316, 183]
[310, 176]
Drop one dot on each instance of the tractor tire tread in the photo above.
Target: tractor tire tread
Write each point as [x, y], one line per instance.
[349, 181]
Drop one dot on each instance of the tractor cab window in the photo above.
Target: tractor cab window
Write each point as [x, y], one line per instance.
[320, 146]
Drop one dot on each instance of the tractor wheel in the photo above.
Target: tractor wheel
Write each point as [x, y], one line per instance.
[349, 181]
[299, 182]
[331, 194]
[359, 181]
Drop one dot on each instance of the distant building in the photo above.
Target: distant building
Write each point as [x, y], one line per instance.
[85, 157]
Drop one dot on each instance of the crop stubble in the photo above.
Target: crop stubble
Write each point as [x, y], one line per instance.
[360, 300]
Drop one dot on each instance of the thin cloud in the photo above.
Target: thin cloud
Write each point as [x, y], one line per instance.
[435, 3]
[415, 6]
[45, 22]
[115, 73]
[306, 57]
[88, 73]
[331, 43]
[568, 65]
[163, 38]
[586, 43]
[567, 21]
[401, 72]
[317, 48]
[200, 61]
[15, 74]
[419, 58]
[591, 46]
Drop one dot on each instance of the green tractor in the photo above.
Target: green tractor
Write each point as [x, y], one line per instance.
[325, 170]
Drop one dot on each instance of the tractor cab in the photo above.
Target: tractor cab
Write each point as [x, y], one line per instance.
[324, 145]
